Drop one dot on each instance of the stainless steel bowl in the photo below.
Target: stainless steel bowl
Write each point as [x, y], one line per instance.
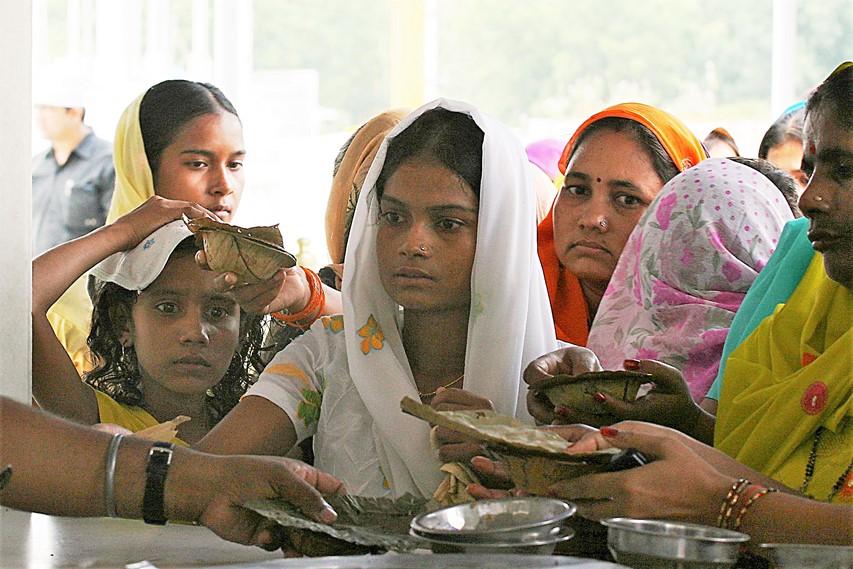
[541, 547]
[802, 556]
[663, 544]
[510, 520]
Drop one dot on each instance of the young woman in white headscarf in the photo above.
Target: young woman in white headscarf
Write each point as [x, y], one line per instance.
[444, 302]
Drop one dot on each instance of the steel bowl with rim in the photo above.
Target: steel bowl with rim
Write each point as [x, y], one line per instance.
[664, 544]
[506, 520]
[543, 546]
[807, 556]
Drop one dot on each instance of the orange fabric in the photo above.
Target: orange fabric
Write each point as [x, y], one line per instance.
[682, 145]
[350, 176]
[571, 313]
[568, 305]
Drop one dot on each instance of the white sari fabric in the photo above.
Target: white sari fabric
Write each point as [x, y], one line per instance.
[509, 323]
[343, 380]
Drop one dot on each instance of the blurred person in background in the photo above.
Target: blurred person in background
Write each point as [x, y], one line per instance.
[73, 179]
[720, 144]
[782, 144]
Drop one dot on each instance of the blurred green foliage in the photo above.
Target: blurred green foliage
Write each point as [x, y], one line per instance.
[553, 58]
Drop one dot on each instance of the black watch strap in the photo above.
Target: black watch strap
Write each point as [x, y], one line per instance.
[153, 507]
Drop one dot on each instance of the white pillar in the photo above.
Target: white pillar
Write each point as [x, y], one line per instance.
[16, 275]
[783, 55]
[158, 44]
[200, 62]
[232, 48]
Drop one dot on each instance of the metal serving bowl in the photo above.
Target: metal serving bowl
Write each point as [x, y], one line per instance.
[663, 544]
[545, 546]
[802, 556]
[506, 521]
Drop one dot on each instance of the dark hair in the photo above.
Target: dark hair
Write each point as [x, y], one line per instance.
[661, 161]
[789, 126]
[116, 371]
[724, 136]
[451, 138]
[168, 106]
[837, 90]
[784, 181]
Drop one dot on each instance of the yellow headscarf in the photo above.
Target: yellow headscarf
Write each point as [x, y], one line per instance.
[134, 182]
[71, 315]
[790, 377]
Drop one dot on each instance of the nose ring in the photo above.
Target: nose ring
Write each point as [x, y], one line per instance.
[602, 223]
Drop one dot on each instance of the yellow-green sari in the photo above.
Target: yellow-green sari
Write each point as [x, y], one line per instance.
[793, 377]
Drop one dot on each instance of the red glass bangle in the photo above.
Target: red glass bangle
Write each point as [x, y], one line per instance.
[316, 303]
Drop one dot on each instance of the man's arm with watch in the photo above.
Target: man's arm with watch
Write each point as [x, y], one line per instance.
[62, 468]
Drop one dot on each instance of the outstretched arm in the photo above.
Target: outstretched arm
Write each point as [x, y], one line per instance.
[255, 426]
[288, 290]
[59, 468]
[56, 385]
[689, 481]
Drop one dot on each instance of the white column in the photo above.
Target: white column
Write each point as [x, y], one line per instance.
[158, 44]
[232, 47]
[15, 276]
[783, 55]
[200, 62]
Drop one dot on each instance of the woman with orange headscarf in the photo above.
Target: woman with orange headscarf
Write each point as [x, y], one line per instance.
[351, 166]
[614, 165]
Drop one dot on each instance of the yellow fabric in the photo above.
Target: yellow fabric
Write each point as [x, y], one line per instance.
[127, 416]
[792, 375]
[134, 182]
[70, 316]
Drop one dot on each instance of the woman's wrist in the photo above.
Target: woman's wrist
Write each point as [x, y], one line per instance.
[190, 483]
[312, 309]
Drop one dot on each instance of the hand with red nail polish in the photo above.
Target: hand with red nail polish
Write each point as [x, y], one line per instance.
[572, 360]
[609, 432]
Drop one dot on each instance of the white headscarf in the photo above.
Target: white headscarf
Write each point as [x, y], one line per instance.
[510, 321]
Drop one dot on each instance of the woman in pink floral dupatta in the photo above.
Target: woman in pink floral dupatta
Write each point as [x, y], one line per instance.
[686, 268]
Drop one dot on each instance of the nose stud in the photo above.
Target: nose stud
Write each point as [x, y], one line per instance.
[422, 248]
[818, 198]
[602, 223]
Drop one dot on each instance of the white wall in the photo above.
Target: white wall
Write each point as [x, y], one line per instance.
[15, 241]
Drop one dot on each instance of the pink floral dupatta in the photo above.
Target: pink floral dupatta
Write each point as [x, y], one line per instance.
[686, 268]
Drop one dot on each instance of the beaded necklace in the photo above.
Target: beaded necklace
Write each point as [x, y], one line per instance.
[810, 470]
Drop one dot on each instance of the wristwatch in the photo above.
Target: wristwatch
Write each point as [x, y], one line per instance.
[159, 459]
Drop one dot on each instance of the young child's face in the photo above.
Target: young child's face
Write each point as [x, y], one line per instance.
[184, 331]
[427, 237]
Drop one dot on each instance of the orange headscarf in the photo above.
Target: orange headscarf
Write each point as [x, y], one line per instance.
[571, 313]
[350, 176]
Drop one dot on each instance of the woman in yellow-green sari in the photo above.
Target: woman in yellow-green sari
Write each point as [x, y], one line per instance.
[781, 469]
[787, 395]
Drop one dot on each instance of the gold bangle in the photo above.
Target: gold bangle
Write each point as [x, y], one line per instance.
[749, 502]
[730, 500]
